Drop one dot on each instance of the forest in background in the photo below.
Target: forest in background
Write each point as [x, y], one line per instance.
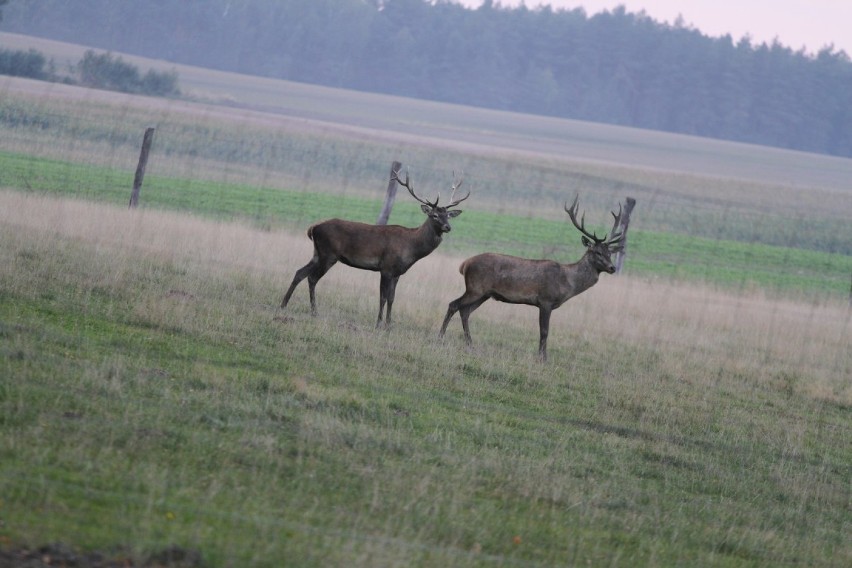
[615, 67]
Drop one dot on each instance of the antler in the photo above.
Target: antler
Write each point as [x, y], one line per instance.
[616, 234]
[407, 185]
[456, 185]
[572, 212]
[453, 201]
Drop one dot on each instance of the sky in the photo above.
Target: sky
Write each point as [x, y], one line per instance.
[811, 24]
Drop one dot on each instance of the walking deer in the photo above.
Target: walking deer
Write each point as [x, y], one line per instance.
[543, 283]
[388, 249]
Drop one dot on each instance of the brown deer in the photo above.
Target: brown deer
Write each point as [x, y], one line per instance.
[388, 249]
[543, 283]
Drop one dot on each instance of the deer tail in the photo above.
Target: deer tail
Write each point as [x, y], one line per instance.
[463, 267]
[311, 232]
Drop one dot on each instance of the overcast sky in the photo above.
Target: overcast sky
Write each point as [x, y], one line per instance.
[811, 24]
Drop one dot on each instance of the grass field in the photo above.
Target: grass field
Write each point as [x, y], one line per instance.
[158, 396]
[695, 410]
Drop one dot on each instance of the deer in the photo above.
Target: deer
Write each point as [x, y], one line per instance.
[546, 284]
[389, 250]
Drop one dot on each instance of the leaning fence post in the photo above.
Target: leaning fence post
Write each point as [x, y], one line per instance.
[625, 221]
[391, 194]
[140, 168]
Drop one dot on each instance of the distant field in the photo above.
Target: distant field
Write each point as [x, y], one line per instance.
[483, 132]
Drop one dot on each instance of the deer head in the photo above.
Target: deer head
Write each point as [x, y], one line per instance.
[599, 250]
[440, 216]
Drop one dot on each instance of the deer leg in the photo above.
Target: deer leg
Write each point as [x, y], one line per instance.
[464, 313]
[384, 285]
[389, 296]
[318, 272]
[451, 311]
[544, 329]
[452, 308]
[300, 275]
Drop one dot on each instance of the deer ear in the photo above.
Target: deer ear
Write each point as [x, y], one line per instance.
[426, 209]
[586, 242]
[453, 213]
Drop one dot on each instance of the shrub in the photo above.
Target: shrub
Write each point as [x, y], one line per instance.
[19, 63]
[163, 84]
[106, 71]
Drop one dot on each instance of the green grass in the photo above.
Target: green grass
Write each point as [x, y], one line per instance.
[722, 262]
[150, 397]
[151, 393]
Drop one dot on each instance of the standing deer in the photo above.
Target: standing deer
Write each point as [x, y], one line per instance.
[388, 249]
[543, 283]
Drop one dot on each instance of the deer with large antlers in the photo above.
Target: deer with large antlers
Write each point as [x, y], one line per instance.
[543, 283]
[389, 250]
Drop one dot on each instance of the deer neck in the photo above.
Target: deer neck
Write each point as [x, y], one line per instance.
[581, 275]
[427, 238]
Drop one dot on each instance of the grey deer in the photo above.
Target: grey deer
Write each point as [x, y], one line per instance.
[388, 249]
[543, 283]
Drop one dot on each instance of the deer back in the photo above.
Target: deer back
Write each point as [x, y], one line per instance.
[512, 279]
[526, 281]
[373, 247]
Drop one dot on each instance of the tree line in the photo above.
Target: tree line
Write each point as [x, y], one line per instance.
[616, 67]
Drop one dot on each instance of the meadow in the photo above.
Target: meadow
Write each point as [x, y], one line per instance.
[695, 410]
[156, 395]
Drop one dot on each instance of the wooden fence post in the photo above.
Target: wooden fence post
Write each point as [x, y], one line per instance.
[625, 222]
[140, 168]
[390, 196]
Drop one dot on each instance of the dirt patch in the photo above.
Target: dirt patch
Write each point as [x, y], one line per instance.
[60, 554]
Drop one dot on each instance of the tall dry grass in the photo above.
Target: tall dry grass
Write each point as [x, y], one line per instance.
[700, 335]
